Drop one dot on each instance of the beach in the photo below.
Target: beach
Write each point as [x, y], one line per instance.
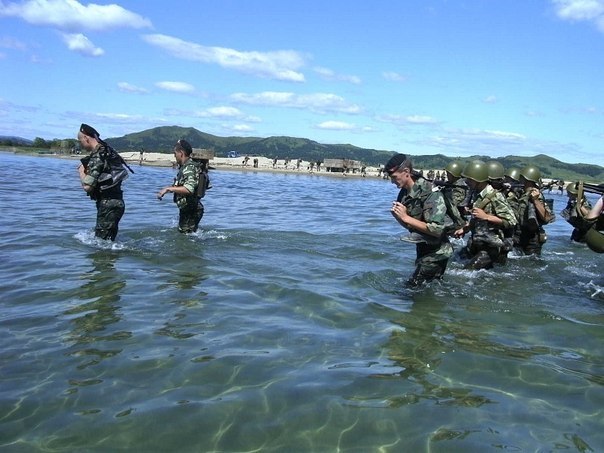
[265, 164]
[238, 163]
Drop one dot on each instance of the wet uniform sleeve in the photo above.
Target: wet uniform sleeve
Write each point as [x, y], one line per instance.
[190, 178]
[93, 171]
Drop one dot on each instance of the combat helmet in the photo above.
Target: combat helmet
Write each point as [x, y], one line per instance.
[513, 173]
[595, 240]
[476, 170]
[531, 173]
[455, 168]
[571, 188]
[495, 169]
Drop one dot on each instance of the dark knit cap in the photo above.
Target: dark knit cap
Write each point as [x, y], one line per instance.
[395, 162]
[89, 131]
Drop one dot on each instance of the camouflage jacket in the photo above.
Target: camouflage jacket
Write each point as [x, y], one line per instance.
[94, 167]
[98, 176]
[458, 193]
[492, 202]
[569, 213]
[454, 197]
[428, 205]
[188, 176]
[523, 211]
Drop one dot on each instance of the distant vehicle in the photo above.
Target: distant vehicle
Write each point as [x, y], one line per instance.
[233, 154]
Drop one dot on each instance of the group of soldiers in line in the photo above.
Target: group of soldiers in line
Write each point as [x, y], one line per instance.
[498, 210]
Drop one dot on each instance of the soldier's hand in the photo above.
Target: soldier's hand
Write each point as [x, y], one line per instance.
[479, 214]
[459, 233]
[161, 193]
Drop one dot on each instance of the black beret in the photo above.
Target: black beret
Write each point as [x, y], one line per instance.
[89, 131]
[395, 162]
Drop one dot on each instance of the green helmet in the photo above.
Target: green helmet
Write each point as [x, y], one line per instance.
[571, 188]
[455, 168]
[513, 173]
[476, 170]
[496, 170]
[595, 240]
[531, 173]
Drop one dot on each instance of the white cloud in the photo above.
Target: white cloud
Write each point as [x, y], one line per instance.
[221, 112]
[331, 75]
[402, 120]
[317, 102]
[82, 45]
[129, 88]
[336, 126]
[581, 10]
[178, 87]
[226, 112]
[118, 117]
[490, 100]
[394, 76]
[241, 128]
[279, 65]
[72, 15]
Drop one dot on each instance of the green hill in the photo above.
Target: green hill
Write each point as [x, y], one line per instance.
[162, 139]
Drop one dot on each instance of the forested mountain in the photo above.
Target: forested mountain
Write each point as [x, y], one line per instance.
[162, 139]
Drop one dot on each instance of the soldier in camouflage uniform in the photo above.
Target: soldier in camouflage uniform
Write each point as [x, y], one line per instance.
[491, 215]
[455, 191]
[96, 179]
[185, 189]
[422, 211]
[533, 212]
[575, 212]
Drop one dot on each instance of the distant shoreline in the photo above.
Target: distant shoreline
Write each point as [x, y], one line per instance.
[265, 164]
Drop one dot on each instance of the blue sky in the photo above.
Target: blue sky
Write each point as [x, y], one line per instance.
[492, 77]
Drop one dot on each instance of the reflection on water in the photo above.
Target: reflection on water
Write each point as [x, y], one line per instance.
[92, 319]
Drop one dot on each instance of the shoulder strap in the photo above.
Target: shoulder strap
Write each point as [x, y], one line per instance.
[486, 200]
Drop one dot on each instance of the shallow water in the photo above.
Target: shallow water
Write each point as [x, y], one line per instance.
[281, 326]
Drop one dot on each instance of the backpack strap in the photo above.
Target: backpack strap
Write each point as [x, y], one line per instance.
[486, 200]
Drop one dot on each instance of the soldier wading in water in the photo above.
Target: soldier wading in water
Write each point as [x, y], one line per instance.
[187, 188]
[423, 212]
[491, 216]
[101, 174]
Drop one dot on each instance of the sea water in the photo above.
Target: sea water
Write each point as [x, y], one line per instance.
[281, 325]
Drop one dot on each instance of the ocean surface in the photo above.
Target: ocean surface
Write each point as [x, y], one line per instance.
[281, 326]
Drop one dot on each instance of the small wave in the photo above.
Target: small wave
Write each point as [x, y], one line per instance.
[210, 234]
[598, 290]
[88, 238]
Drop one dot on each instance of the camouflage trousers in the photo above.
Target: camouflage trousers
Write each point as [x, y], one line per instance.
[531, 242]
[484, 255]
[431, 262]
[189, 217]
[109, 212]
